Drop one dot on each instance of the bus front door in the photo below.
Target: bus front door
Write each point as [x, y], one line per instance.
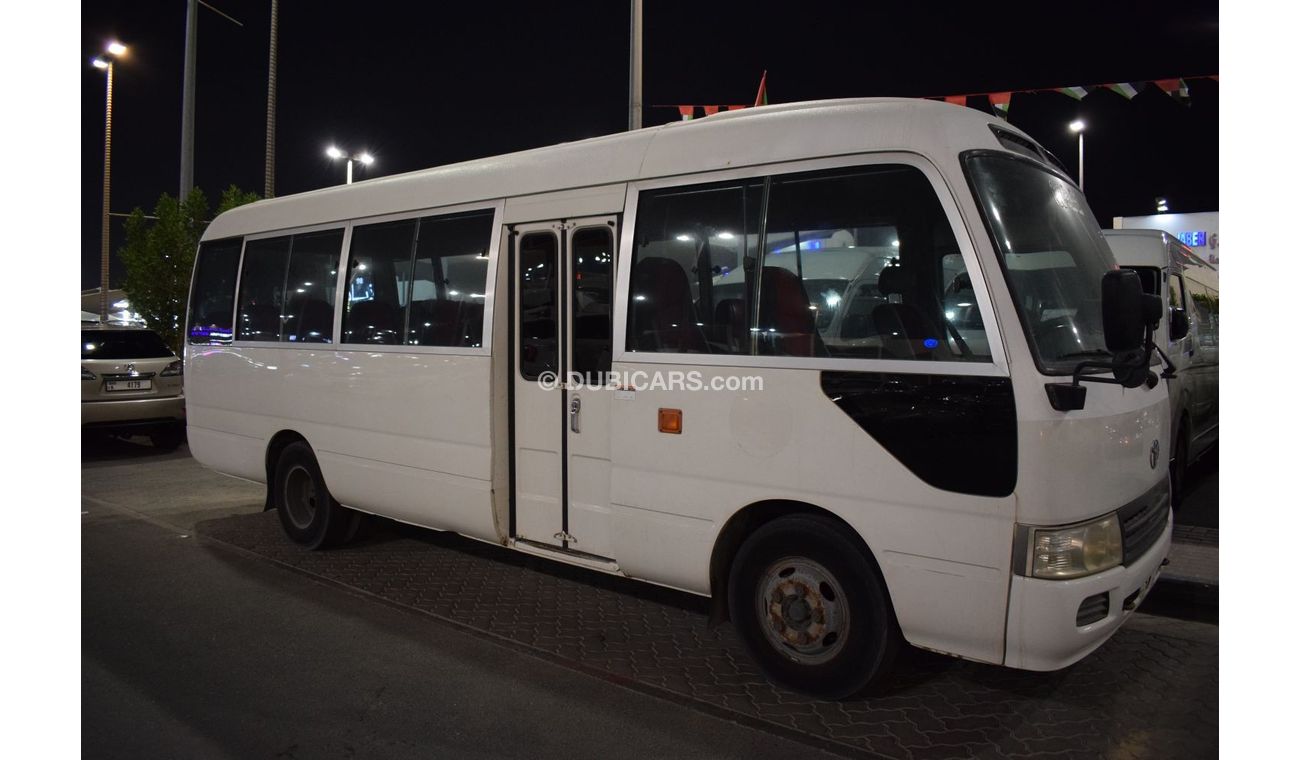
[562, 284]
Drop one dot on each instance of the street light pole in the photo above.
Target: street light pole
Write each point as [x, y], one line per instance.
[105, 63]
[1078, 126]
[634, 69]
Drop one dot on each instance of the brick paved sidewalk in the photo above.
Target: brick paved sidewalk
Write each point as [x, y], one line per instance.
[1194, 556]
[1152, 691]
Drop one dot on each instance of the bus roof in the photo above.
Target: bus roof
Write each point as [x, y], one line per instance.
[1147, 247]
[766, 134]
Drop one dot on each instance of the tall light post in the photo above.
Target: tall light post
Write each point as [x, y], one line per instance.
[1077, 126]
[104, 62]
[364, 158]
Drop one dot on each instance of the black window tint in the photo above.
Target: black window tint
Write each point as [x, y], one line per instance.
[593, 273]
[261, 289]
[538, 301]
[692, 268]
[449, 281]
[123, 344]
[862, 263]
[212, 300]
[312, 282]
[379, 272]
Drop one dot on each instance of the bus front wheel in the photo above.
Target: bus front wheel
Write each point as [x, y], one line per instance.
[812, 608]
[308, 514]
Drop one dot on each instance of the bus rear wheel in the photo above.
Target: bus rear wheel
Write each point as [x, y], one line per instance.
[811, 607]
[308, 514]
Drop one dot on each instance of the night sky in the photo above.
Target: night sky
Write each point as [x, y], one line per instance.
[430, 83]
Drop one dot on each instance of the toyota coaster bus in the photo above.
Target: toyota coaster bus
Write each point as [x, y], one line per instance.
[861, 371]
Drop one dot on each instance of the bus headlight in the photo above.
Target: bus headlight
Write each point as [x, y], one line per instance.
[1078, 550]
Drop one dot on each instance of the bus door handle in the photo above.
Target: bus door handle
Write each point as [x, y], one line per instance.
[575, 408]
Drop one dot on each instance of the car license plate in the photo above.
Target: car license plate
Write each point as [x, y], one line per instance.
[128, 385]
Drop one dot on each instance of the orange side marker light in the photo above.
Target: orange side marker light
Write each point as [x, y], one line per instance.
[670, 421]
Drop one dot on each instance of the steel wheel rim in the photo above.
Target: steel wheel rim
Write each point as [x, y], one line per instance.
[802, 610]
[300, 497]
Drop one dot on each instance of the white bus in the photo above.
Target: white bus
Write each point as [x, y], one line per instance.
[844, 451]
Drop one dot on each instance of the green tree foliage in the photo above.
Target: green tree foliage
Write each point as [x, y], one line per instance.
[159, 257]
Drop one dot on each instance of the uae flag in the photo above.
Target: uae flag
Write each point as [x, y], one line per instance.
[1174, 88]
[1123, 88]
[761, 100]
[1001, 102]
[1075, 92]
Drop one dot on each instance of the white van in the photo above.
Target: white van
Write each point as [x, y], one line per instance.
[858, 370]
[1189, 289]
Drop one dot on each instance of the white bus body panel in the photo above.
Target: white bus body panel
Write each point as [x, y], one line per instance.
[945, 556]
[425, 460]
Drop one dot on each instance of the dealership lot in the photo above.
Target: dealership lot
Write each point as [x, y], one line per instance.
[206, 631]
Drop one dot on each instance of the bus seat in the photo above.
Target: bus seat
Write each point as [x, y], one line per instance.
[314, 320]
[260, 322]
[732, 325]
[903, 327]
[372, 322]
[662, 309]
[785, 314]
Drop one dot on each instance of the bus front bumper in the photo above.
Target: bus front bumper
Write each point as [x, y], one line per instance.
[1042, 630]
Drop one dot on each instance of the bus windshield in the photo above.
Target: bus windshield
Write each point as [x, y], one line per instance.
[1052, 252]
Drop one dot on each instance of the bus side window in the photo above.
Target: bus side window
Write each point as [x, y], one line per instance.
[261, 289]
[309, 313]
[692, 262]
[1205, 303]
[379, 262]
[212, 303]
[449, 281]
[860, 263]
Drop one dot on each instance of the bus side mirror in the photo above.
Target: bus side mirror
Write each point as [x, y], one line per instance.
[1122, 313]
[1178, 324]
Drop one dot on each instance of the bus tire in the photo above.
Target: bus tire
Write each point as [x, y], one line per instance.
[812, 608]
[308, 513]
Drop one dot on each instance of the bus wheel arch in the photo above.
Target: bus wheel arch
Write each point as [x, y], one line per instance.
[278, 443]
[308, 512]
[806, 597]
[742, 524]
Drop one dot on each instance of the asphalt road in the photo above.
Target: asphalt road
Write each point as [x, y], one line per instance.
[192, 650]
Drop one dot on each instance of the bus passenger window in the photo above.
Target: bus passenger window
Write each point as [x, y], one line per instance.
[312, 280]
[449, 281]
[862, 263]
[212, 302]
[692, 267]
[379, 262]
[261, 289]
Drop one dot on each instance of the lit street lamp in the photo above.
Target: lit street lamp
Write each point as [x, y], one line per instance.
[364, 158]
[1078, 126]
[104, 62]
